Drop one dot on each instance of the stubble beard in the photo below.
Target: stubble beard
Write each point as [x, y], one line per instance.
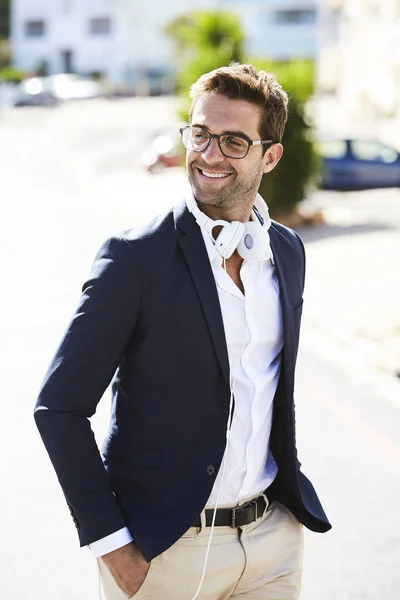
[232, 197]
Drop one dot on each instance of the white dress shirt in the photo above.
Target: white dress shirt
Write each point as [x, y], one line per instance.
[254, 336]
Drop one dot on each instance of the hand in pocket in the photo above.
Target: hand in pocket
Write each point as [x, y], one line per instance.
[128, 568]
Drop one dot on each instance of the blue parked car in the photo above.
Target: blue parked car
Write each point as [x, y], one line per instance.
[358, 164]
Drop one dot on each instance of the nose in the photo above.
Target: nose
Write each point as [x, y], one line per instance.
[212, 154]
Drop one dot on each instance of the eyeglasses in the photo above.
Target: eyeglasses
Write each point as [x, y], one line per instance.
[231, 146]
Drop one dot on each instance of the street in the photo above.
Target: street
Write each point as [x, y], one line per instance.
[69, 178]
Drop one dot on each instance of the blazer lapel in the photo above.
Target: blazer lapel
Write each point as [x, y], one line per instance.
[283, 266]
[191, 242]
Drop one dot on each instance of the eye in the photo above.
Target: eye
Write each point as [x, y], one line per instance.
[198, 135]
[233, 141]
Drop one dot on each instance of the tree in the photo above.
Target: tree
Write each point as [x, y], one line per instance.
[288, 183]
[203, 41]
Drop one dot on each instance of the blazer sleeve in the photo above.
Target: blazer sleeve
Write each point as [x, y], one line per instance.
[79, 373]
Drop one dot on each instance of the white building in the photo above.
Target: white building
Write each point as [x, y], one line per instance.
[278, 29]
[360, 62]
[123, 39]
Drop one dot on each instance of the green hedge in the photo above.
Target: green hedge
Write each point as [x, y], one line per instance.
[203, 41]
[298, 169]
[12, 75]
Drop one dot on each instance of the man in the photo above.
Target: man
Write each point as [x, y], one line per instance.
[196, 319]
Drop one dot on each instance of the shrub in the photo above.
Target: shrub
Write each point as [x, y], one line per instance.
[289, 182]
[12, 75]
[5, 53]
[203, 41]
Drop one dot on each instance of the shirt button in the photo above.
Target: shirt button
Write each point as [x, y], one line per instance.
[210, 470]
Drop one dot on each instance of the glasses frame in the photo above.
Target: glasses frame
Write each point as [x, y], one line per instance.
[217, 137]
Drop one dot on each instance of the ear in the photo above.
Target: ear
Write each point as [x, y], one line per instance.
[272, 157]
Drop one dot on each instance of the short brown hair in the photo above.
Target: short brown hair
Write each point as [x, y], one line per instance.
[245, 82]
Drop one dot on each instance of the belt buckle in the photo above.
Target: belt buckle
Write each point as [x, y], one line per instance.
[254, 502]
[233, 520]
[247, 505]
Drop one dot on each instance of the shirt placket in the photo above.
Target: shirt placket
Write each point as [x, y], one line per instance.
[249, 283]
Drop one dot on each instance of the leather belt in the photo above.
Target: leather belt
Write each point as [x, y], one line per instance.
[235, 517]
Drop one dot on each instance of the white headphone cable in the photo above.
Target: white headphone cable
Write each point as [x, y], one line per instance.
[228, 431]
[216, 503]
[99, 577]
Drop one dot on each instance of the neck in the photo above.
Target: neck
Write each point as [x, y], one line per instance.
[242, 214]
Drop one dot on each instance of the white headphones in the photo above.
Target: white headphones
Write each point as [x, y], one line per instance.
[250, 239]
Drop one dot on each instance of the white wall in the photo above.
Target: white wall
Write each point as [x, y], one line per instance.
[136, 41]
[67, 28]
[265, 36]
[361, 63]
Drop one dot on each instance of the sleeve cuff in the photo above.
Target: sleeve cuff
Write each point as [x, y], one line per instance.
[111, 542]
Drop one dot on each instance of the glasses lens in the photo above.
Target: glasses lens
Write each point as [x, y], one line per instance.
[234, 146]
[195, 138]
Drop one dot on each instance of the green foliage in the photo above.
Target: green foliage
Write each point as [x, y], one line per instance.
[200, 31]
[96, 75]
[203, 41]
[5, 53]
[296, 76]
[12, 75]
[288, 183]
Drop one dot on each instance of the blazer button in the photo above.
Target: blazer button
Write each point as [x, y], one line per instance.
[225, 408]
[210, 470]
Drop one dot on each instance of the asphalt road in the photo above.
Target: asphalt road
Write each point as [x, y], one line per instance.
[70, 181]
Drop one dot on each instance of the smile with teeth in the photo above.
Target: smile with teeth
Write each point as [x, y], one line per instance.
[214, 175]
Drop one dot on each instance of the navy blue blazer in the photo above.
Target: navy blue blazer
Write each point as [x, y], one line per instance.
[149, 320]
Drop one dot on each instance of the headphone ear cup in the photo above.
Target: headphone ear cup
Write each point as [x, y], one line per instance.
[254, 242]
[229, 238]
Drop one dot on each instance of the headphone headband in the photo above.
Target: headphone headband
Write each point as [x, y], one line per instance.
[205, 222]
[250, 239]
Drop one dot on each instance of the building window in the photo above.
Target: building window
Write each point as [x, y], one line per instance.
[34, 28]
[100, 26]
[296, 17]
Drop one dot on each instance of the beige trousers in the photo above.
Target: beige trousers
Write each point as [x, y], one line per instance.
[260, 561]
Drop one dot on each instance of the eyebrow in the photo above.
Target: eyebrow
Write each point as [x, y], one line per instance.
[233, 132]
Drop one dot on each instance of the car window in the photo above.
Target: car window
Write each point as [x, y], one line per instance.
[389, 155]
[332, 148]
[373, 151]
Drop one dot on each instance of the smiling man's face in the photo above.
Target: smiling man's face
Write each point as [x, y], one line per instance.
[221, 185]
